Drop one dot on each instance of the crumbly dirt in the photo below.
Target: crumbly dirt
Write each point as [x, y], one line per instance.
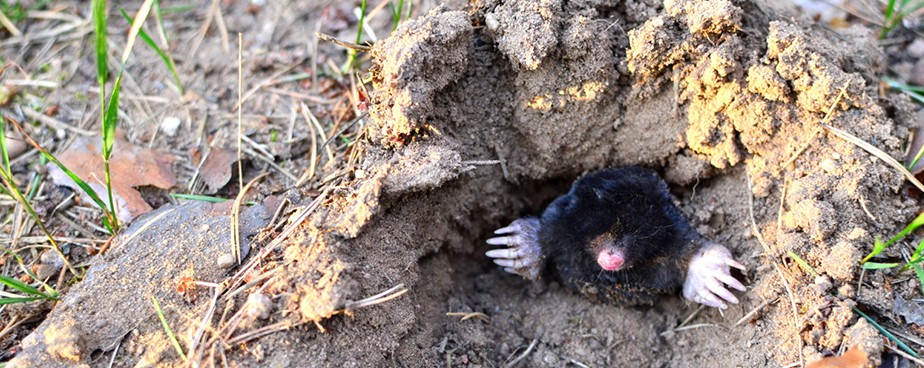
[484, 113]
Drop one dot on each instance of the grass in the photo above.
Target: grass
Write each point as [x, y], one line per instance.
[351, 60]
[15, 10]
[397, 11]
[915, 92]
[167, 329]
[110, 116]
[80, 183]
[9, 186]
[166, 58]
[197, 197]
[31, 293]
[895, 13]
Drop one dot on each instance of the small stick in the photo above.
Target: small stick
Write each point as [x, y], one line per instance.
[692, 315]
[236, 218]
[525, 353]
[466, 315]
[382, 297]
[817, 130]
[760, 238]
[905, 355]
[875, 152]
[690, 327]
[754, 311]
[349, 45]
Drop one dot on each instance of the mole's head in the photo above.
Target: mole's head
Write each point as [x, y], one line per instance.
[611, 251]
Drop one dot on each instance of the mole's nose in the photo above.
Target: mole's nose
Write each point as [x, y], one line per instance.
[610, 260]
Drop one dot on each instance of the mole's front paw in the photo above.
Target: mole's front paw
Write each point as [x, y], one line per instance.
[708, 276]
[523, 255]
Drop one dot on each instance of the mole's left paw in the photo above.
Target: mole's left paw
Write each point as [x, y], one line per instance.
[708, 275]
[523, 255]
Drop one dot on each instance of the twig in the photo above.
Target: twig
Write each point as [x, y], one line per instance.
[467, 315]
[54, 123]
[263, 331]
[349, 45]
[382, 297]
[754, 311]
[905, 355]
[525, 353]
[238, 277]
[690, 327]
[760, 239]
[817, 130]
[692, 315]
[236, 218]
[876, 152]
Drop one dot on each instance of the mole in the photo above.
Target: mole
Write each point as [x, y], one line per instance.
[617, 236]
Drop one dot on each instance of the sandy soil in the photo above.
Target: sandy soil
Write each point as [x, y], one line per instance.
[484, 113]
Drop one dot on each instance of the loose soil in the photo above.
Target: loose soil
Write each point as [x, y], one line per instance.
[483, 113]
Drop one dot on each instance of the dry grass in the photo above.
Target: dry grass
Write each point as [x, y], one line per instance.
[49, 75]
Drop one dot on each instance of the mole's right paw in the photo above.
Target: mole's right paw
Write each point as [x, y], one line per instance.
[523, 255]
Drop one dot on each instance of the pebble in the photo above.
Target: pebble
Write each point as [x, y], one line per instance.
[916, 48]
[225, 261]
[259, 306]
[829, 165]
[917, 73]
[45, 271]
[170, 125]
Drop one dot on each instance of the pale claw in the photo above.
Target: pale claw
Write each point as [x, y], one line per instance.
[708, 275]
[523, 255]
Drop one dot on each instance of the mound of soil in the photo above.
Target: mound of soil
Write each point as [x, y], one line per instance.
[482, 115]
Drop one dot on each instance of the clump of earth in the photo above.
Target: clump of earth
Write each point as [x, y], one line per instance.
[483, 115]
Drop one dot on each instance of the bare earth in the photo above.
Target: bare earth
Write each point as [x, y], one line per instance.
[479, 114]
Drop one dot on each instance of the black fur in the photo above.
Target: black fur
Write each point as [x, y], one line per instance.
[630, 206]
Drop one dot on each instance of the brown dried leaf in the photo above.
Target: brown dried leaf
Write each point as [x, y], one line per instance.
[216, 170]
[130, 166]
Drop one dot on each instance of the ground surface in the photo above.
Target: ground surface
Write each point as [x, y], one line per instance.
[475, 114]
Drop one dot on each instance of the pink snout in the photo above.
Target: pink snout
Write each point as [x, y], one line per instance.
[610, 260]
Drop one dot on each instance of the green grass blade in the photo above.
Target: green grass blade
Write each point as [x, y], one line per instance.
[396, 12]
[351, 60]
[3, 148]
[163, 56]
[917, 157]
[163, 321]
[915, 92]
[888, 22]
[80, 183]
[5, 301]
[916, 256]
[48, 289]
[901, 344]
[878, 247]
[99, 26]
[111, 118]
[196, 197]
[175, 9]
[879, 266]
[920, 274]
[362, 21]
[901, 86]
[802, 263]
[24, 288]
